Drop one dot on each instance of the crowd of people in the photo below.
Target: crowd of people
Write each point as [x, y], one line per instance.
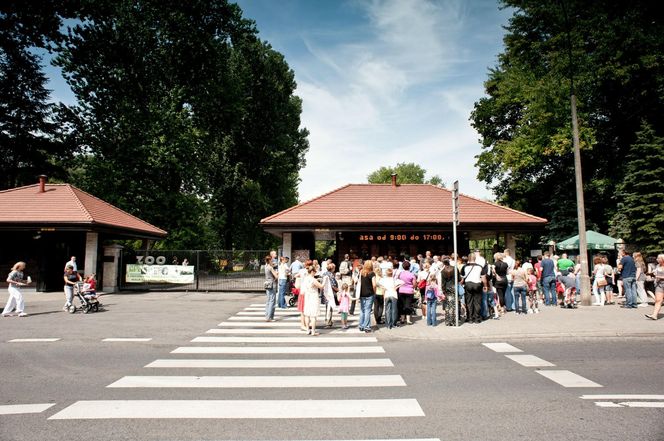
[468, 289]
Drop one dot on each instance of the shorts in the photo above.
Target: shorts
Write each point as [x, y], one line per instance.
[659, 287]
[344, 316]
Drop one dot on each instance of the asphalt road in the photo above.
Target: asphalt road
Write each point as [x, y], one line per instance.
[465, 390]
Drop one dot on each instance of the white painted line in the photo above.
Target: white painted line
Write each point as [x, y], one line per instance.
[128, 339]
[656, 404]
[279, 350]
[274, 363]
[252, 409]
[260, 324]
[33, 340]
[305, 339]
[622, 397]
[606, 404]
[262, 313]
[567, 378]
[279, 319]
[501, 347]
[529, 360]
[16, 409]
[278, 381]
[235, 331]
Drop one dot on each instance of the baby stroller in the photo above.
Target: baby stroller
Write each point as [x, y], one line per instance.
[294, 293]
[87, 300]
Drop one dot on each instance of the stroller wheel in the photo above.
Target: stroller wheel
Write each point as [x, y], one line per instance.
[291, 301]
[86, 309]
[95, 307]
[72, 309]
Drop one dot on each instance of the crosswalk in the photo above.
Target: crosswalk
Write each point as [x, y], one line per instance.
[245, 352]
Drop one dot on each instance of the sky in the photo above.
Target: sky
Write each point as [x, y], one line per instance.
[382, 82]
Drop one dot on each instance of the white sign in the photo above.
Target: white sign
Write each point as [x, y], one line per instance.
[159, 273]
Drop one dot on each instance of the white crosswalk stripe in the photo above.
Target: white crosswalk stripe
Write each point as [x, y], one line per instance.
[277, 381]
[17, 409]
[279, 350]
[274, 363]
[568, 379]
[247, 333]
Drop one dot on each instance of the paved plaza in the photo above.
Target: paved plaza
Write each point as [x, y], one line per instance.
[195, 366]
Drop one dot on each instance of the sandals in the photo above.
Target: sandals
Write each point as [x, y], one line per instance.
[650, 317]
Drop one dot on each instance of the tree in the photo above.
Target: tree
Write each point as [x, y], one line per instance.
[29, 137]
[524, 120]
[185, 118]
[407, 173]
[640, 216]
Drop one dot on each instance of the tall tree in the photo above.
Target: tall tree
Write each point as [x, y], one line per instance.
[615, 51]
[29, 141]
[640, 216]
[407, 173]
[188, 118]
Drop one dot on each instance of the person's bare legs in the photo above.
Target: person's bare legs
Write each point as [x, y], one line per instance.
[659, 297]
[312, 323]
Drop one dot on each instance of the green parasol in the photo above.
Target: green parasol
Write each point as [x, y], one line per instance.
[596, 241]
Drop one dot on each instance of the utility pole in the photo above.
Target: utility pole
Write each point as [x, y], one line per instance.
[455, 222]
[580, 206]
[578, 177]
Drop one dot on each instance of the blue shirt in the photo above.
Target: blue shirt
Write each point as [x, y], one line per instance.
[548, 268]
[296, 267]
[628, 267]
[414, 268]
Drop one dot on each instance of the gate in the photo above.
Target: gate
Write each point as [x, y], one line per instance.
[192, 270]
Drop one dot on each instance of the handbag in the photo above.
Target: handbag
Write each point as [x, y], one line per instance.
[422, 284]
[268, 284]
[602, 282]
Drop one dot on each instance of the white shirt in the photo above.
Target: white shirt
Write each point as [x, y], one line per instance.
[73, 264]
[283, 270]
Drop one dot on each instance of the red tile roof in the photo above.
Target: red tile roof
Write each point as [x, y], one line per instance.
[64, 204]
[386, 204]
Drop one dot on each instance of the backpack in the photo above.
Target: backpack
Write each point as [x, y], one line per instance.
[430, 293]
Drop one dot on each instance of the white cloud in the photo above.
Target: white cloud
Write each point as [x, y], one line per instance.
[401, 90]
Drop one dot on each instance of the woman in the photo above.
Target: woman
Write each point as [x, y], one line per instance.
[379, 300]
[422, 277]
[367, 293]
[658, 275]
[641, 270]
[270, 280]
[610, 281]
[71, 278]
[447, 287]
[299, 278]
[599, 281]
[520, 287]
[472, 282]
[406, 293]
[15, 300]
[500, 271]
[310, 288]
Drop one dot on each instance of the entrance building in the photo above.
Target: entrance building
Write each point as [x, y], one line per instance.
[368, 220]
[45, 224]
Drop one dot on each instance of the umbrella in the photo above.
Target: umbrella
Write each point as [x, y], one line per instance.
[596, 241]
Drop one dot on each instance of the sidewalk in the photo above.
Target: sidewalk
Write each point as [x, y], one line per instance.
[551, 322]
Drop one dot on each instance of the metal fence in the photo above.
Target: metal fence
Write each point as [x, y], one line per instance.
[213, 270]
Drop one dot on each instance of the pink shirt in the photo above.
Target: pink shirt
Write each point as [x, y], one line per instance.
[408, 280]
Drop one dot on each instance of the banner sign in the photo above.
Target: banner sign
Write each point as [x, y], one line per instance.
[159, 273]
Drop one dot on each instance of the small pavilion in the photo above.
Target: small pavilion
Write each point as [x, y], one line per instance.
[394, 220]
[45, 224]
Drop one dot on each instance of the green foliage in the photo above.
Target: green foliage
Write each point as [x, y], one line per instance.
[184, 118]
[407, 173]
[640, 216]
[524, 121]
[29, 133]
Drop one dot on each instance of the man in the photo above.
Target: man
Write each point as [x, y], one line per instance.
[627, 269]
[296, 266]
[72, 263]
[484, 307]
[414, 266]
[549, 280]
[564, 264]
[509, 297]
[283, 272]
[274, 259]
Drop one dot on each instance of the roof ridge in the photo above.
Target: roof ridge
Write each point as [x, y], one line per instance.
[304, 203]
[503, 207]
[86, 212]
[112, 206]
[23, 187]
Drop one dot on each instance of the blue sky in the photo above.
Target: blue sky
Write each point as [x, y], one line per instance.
[382, 82]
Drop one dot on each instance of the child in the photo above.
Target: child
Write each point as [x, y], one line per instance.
[432, 294]
[532, 292]
[390, 286]
[344, 304]
[90, 287]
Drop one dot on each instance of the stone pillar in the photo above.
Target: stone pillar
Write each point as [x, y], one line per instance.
[111, 267]
[510, 243]
[91, 247]
[287, 244]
